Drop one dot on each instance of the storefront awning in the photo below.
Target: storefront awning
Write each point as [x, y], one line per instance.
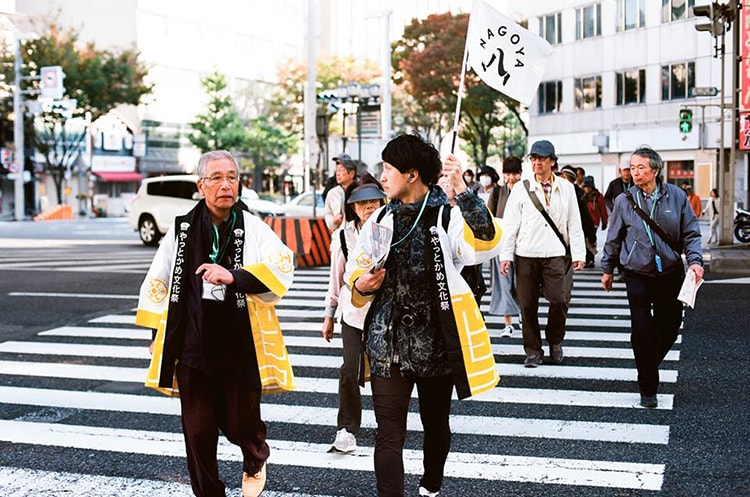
[119, 177]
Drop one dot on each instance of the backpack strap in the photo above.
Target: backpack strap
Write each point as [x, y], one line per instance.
[344, 248]
[446, 216]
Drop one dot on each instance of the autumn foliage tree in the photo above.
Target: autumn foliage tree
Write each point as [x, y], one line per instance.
[427, 62]
[287, 104]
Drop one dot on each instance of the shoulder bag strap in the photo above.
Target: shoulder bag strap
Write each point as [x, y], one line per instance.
[652, 224]
[545, 214]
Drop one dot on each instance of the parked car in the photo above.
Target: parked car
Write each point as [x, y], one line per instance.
[159, 200]
[258, 206]
[302, 205]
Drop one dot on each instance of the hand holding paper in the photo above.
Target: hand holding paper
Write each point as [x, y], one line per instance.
[689, 289]
[381, 242]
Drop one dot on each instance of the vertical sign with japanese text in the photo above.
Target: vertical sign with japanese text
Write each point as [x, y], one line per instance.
[744, 114]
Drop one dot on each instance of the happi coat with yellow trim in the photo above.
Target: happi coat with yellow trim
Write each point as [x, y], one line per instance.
[468, 344]
[265, 257]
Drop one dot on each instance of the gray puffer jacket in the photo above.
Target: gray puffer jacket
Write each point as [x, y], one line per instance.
[628, 241]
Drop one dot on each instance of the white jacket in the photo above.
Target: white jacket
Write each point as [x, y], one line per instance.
[526, 231]
[338, 297]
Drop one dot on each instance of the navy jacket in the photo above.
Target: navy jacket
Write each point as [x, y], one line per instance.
[628, 242]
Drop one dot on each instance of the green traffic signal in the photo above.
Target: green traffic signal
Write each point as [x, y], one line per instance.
[686, 120]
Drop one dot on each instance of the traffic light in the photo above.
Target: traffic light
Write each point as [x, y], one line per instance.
[715, 14]
[686, 120]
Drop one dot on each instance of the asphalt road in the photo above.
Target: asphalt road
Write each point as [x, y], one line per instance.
[707, 452]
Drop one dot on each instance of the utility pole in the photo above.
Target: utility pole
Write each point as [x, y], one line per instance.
[18, 134]
[726, 215]
[721, 18]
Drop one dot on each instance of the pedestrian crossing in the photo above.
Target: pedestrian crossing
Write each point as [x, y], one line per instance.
[77, 389]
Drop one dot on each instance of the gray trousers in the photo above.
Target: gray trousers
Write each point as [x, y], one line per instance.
[551, 277]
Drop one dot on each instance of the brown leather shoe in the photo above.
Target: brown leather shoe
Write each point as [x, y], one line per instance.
[253, 485]
[556, 351]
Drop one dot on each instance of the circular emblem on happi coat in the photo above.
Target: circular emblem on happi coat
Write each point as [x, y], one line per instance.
[157, 290]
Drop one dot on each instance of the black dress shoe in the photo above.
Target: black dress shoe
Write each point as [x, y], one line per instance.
[649, 401]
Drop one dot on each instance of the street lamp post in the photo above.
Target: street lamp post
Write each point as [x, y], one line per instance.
[358, 95]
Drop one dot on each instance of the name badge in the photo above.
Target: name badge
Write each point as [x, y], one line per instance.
[214, 292]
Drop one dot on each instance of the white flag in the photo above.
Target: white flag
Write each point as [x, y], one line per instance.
[507, 57]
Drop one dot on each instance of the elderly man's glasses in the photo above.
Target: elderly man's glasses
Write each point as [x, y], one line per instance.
[215, 179]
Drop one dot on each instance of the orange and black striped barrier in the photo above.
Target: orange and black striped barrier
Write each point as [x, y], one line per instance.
[308, 237]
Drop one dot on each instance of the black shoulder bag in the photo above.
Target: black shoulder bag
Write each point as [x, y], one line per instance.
[652, 224]
[543, 212]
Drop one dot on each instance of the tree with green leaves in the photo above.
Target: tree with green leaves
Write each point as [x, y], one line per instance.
[96, 81]
[427, 63]
[266, 143]
[220, 127]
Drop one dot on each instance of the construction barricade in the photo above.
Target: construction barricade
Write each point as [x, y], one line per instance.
[308, 237]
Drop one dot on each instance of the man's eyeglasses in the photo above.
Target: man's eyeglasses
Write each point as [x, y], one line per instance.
[215, 179]
[536, 157]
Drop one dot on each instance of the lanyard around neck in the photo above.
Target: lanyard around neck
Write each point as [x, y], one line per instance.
[419, 216]
[215, 255]
[651, 214]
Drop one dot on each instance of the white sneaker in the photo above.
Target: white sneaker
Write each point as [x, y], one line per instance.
[423, 492]
[345, 441]
[507, 331]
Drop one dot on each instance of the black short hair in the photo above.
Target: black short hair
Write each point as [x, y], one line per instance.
[654, 159]
[406, 152]
[512, 165]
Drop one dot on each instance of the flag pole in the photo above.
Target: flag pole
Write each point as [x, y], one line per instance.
[461, 86]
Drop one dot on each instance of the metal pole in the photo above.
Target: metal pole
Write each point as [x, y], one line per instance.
[359, 130]
[343, 128]
[385, 106]
[727, 210]
[310, 100]
[722, 155]
[18, 134]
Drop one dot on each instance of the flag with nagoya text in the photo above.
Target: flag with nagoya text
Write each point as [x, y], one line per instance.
[504, 55]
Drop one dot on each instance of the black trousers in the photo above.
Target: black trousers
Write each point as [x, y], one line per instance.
[390, 398]
[210, 404]
[350, 398]
[553, 276]
[655, 318]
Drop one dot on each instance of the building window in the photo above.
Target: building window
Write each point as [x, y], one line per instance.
[550, 28]
[588, 21]
[677, 80]
[631, 14]
[550, 97]
[588, 93]
[675, 10]
[631, 87]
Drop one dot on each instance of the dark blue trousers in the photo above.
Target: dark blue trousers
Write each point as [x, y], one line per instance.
[655, 318]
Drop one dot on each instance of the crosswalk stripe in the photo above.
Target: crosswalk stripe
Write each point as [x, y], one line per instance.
[295, 414]
[318, 342]
[459, 465]
[141, 334]
[296, 314]
[329, 362]
[325, 385]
